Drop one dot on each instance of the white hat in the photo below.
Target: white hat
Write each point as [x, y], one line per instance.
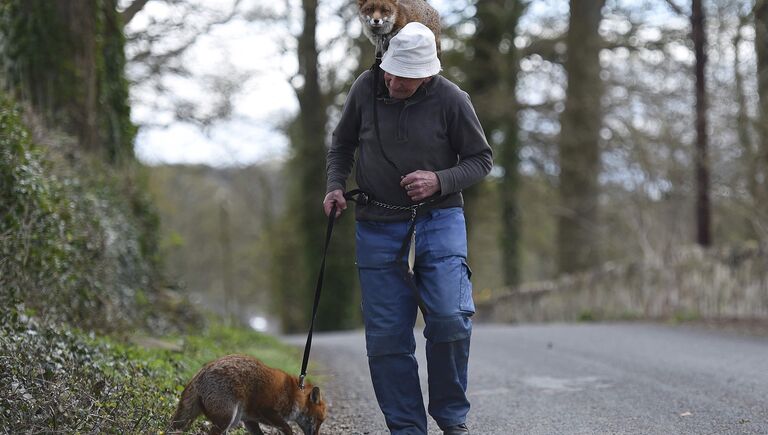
[412, 53]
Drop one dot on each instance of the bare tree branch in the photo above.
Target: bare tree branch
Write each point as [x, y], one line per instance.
[676, 8]
[131, 11]
[158, 62]
[550, 49]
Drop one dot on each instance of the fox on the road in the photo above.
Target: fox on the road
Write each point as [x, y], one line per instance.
[237, 388]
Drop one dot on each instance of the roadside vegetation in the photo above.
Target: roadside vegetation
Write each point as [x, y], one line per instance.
[58, 379]
[91, 339]
[94, 338]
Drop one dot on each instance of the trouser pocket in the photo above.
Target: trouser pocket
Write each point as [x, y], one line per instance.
[466, 302]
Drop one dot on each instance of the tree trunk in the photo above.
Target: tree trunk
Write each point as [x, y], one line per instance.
[579, 141]
[703, 207]
[491, 81]
[116, 131]
[338, 308]
[508, 156]
[80, 18]
[67, 59]
[745, 139]
[226, 270]
[761, 47]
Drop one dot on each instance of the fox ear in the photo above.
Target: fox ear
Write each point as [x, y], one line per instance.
[314, 396]
[360, 3]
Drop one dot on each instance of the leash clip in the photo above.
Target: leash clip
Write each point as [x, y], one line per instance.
[357, 196]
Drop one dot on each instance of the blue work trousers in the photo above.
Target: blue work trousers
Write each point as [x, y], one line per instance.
[390, 306]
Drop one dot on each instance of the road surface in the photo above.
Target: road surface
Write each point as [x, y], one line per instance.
[605, 378]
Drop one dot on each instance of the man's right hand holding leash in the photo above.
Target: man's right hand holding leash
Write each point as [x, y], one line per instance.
[334, 197]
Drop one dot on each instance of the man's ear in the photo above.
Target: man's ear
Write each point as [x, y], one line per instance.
[314, 396]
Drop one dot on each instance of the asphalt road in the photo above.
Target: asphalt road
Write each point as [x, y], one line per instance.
[608, 378]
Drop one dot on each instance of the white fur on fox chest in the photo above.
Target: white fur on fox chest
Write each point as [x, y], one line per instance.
[375, 32]
[295, 413]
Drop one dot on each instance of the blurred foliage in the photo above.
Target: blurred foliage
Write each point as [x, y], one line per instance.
[189, 199]
[268, 278]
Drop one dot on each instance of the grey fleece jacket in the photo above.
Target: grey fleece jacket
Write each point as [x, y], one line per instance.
[436, 130]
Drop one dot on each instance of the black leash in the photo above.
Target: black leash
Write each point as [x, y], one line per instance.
[362, 198]
[353, 195]
[318, 287]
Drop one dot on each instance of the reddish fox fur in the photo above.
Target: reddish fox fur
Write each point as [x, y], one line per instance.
[384, 18]
[238, 388]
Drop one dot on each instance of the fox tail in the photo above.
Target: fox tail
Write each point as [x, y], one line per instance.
[189, 407]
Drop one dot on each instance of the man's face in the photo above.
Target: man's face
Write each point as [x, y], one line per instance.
[400, 87]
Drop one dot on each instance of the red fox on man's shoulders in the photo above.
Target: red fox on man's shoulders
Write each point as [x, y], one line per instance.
[237, 388]
[384, 18]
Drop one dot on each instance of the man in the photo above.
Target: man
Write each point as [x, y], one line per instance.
[427, 147]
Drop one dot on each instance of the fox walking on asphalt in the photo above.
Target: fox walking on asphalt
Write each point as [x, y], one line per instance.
[238, 388]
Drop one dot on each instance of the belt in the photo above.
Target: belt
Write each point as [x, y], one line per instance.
[408, 246]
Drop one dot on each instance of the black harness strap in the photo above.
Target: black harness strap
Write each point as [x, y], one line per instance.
[376, 68]
[402, 256]
[404, 248]
[363, 198]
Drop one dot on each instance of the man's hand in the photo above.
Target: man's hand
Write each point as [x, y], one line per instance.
[420, 185]
[334, 197]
